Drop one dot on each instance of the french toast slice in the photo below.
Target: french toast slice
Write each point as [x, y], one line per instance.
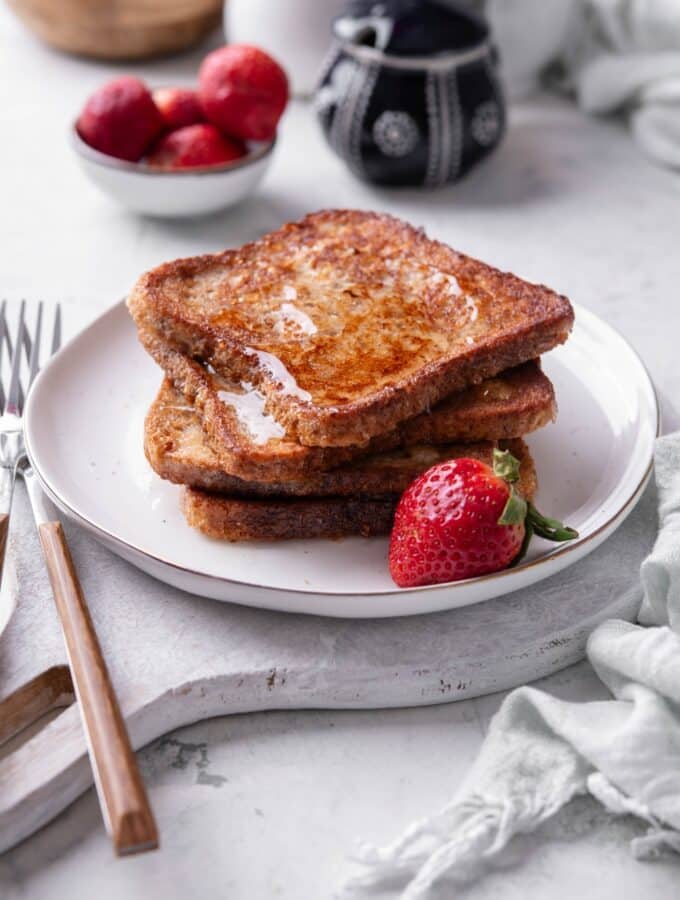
[280, 518]
[347, 322]
[231, 519]
[179, 448]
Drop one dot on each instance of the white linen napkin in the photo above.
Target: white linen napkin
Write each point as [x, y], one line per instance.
[541, 751]
[626, 56]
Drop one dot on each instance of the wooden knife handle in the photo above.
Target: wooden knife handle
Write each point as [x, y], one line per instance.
[122, 794]
[4, 531]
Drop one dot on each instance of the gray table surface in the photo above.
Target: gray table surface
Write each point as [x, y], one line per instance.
[268, 805]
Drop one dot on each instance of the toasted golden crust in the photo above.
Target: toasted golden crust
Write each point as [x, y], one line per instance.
[528, 479]
[348, 322]
[235, 449]
[280, 518]
[180, 433]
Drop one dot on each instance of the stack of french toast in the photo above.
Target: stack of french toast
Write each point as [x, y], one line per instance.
[312, 375]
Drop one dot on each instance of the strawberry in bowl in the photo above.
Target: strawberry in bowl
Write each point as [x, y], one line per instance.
[195, 146]
[462, 519]
[180, 151]
[178, 106]
[120, 119]
[243, 91]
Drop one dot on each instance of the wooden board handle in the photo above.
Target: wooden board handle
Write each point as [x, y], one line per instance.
[122, 794]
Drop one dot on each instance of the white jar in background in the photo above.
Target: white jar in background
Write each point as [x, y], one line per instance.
[529, 34]
[297, 33]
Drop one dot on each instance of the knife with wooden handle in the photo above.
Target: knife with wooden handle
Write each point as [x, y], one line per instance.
[122, 795]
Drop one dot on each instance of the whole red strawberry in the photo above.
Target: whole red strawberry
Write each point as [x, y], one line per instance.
[194, 146]
[121, 119]
[461, 519]
[243, 91]
[178, 106]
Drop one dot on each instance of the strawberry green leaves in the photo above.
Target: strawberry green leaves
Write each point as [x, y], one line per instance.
[517, 509]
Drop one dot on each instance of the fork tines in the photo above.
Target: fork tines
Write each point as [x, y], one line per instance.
[23, 351]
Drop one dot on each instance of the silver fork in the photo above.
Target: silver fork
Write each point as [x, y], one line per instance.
[11, 401]
[122, 796]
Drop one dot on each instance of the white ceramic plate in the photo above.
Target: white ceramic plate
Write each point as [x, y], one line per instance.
[84, 435]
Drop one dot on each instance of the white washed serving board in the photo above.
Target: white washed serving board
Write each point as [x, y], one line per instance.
[176, 658]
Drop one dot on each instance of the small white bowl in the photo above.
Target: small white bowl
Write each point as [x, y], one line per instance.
[176, 193]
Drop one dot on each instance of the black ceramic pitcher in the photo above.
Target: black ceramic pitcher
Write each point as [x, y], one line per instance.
[410, 93]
